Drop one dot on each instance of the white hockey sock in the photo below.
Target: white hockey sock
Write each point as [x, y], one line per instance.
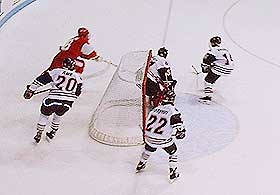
[42, 122]
[173, 159]
[145, 155]
[208, 89]
[55, 122]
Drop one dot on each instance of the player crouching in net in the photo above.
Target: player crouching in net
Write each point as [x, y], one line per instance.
[159, 78]
[162, 121]
[66, 86]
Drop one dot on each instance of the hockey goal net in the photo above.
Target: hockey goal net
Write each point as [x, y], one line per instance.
[121, 114]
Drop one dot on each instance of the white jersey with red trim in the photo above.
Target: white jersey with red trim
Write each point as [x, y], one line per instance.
[160, 125]
[157, 63]
[64, 84]
[223, 64]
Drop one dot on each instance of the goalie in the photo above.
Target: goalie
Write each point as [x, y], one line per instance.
[159, 77]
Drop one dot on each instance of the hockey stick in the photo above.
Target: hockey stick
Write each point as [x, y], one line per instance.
[38, 92]
[105, 61]
[41, 91]
[195, 70]
[109, 62]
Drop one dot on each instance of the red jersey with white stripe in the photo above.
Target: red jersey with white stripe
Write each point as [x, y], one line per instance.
[74, 48]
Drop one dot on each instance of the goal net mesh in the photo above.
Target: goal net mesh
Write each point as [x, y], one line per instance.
[120, 115]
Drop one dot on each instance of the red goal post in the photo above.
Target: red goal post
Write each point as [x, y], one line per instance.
[121, 114]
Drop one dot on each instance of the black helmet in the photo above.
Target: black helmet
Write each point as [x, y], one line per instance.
[83, 32]
[215, 41]
[69, 63]
[163, 52]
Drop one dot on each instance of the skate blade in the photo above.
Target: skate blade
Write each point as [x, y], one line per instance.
[205, 102]
[172, 180]
[35, 143]
[139, 171]
[49, 139]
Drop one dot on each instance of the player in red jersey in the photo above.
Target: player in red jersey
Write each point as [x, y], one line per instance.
[77, 48]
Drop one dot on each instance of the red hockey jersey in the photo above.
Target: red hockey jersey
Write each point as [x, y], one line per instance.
[74, 48]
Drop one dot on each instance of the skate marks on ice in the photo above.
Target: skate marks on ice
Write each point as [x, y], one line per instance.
[237, 42]
[210, 128]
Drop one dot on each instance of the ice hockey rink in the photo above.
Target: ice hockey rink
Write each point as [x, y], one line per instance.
[232, 146]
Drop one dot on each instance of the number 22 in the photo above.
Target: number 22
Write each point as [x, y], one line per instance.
[161, 123]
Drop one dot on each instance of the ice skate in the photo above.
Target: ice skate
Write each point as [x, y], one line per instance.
[205, 100]
[38, 136]
[50, 135]
[140, 166]
[173, 175]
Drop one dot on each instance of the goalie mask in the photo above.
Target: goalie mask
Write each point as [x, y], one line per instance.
[215, 41]
[163, 52]
[69, 63]
[169, 97]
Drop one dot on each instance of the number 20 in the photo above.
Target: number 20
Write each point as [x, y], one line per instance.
[70, 85]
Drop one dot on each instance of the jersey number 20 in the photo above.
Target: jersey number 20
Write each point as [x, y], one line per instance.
[67, 84]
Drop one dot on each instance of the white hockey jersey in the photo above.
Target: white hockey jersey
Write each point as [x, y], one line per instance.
[160, 124]
[64, 84]
[223, 65]
[158, 63]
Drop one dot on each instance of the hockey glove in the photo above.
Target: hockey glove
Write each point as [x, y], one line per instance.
[98, 59]
[180, 134]
[205, 68]
[78, 90]
[28, 93]
[174, 82]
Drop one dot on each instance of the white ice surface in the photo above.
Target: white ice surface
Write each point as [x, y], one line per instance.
[241, 158]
